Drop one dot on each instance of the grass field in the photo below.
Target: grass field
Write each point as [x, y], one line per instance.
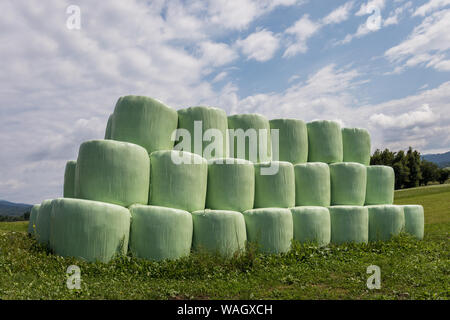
[410, 269]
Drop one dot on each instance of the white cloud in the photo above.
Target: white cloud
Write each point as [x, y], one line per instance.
[259, 46]
[430, 6]
[423, 115]
[219, 77]
[302, 30]
[368, 7]
[339, 15]
[216, 54]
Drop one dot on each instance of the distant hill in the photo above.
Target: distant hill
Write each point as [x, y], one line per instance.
[13, 209]
[441, 159]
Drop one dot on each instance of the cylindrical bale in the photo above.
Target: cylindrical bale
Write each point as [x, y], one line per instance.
[271, 229]
[178, 180]
[385, 221]
[43, 223]
[207, 127]
[145, 122]
[69, 179]
[414, 220]
[324, 141]
[312, 224]
[112, 171]
[249, 137]
[231, 185]
[219, 232]
[89, 230]
[159, 233]
[292, 140]
[356, 145]
[348, 183]
[109, 127]
[380, 185]
[349, 224]
[312, 184]
[274, 185]
[33, 216]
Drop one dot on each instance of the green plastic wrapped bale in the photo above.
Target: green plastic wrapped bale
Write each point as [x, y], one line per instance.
[144, 121]
[312, 184]
[89, 230]
[385, 221]
[414, 220]
[159, 233]
[205, 123]
[33, 216]
[43, 222]
[293, 140]
[274, 185]
[219, 232]
[69, 179]
[253, 141]
[231, 185]
[178, 180]
[324, 141]
[349, 224]
[312, 224]
[270, 228]
[112, 171]
[348, 183]
[380, 185]
[356, 145]
[109, 128]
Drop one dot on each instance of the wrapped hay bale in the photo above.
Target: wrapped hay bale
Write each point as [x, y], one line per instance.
[274, 190]
[43, 222]
[178, 185]
[109, 127]
[216, 145]
[69, 179]
[349, 224]
[312, 224]
[293, 140]
[270, 228]
[250, 137]
[231, 185]
[89, 230]
[356, 145]
[312, 184]
[324, 141]
[414, 220]
[385, 221]
[145, 122]
[348, 183]
[219, 232]
[33, 217]
[380, 185]
[112, 171]
[159, 233]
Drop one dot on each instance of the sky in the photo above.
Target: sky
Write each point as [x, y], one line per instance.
[383, 65]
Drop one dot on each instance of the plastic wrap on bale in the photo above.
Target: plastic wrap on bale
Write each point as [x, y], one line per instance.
[43, 223]
[109, 127]
[274, 185]
[380, 185]
[33, 217]
[349, 224]
[231, 185]
[219, 232]
[324, 141]
[69, 179]
[89, 230]
[271, 229]
[312, 184]
[414, 220]
[356, 145]
[144, 121]
[385, 222]
[112, 171]
[312, 224]
[348, 183]
[178, 180]
[293, 140]
[159, 233]
[203, 140]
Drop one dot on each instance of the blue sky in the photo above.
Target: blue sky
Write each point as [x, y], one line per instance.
[381, 64]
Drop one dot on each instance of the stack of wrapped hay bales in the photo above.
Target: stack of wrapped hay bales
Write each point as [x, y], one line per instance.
[163, 183]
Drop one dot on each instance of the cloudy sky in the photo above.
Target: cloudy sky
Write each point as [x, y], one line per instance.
[380, 64]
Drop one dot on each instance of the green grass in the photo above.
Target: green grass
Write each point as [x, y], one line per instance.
[410, 269]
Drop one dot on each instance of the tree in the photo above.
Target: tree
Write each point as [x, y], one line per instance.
[413, 163]
[443, 175]
[430, 172]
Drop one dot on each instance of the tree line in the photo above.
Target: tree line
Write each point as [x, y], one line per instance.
[409, 167]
